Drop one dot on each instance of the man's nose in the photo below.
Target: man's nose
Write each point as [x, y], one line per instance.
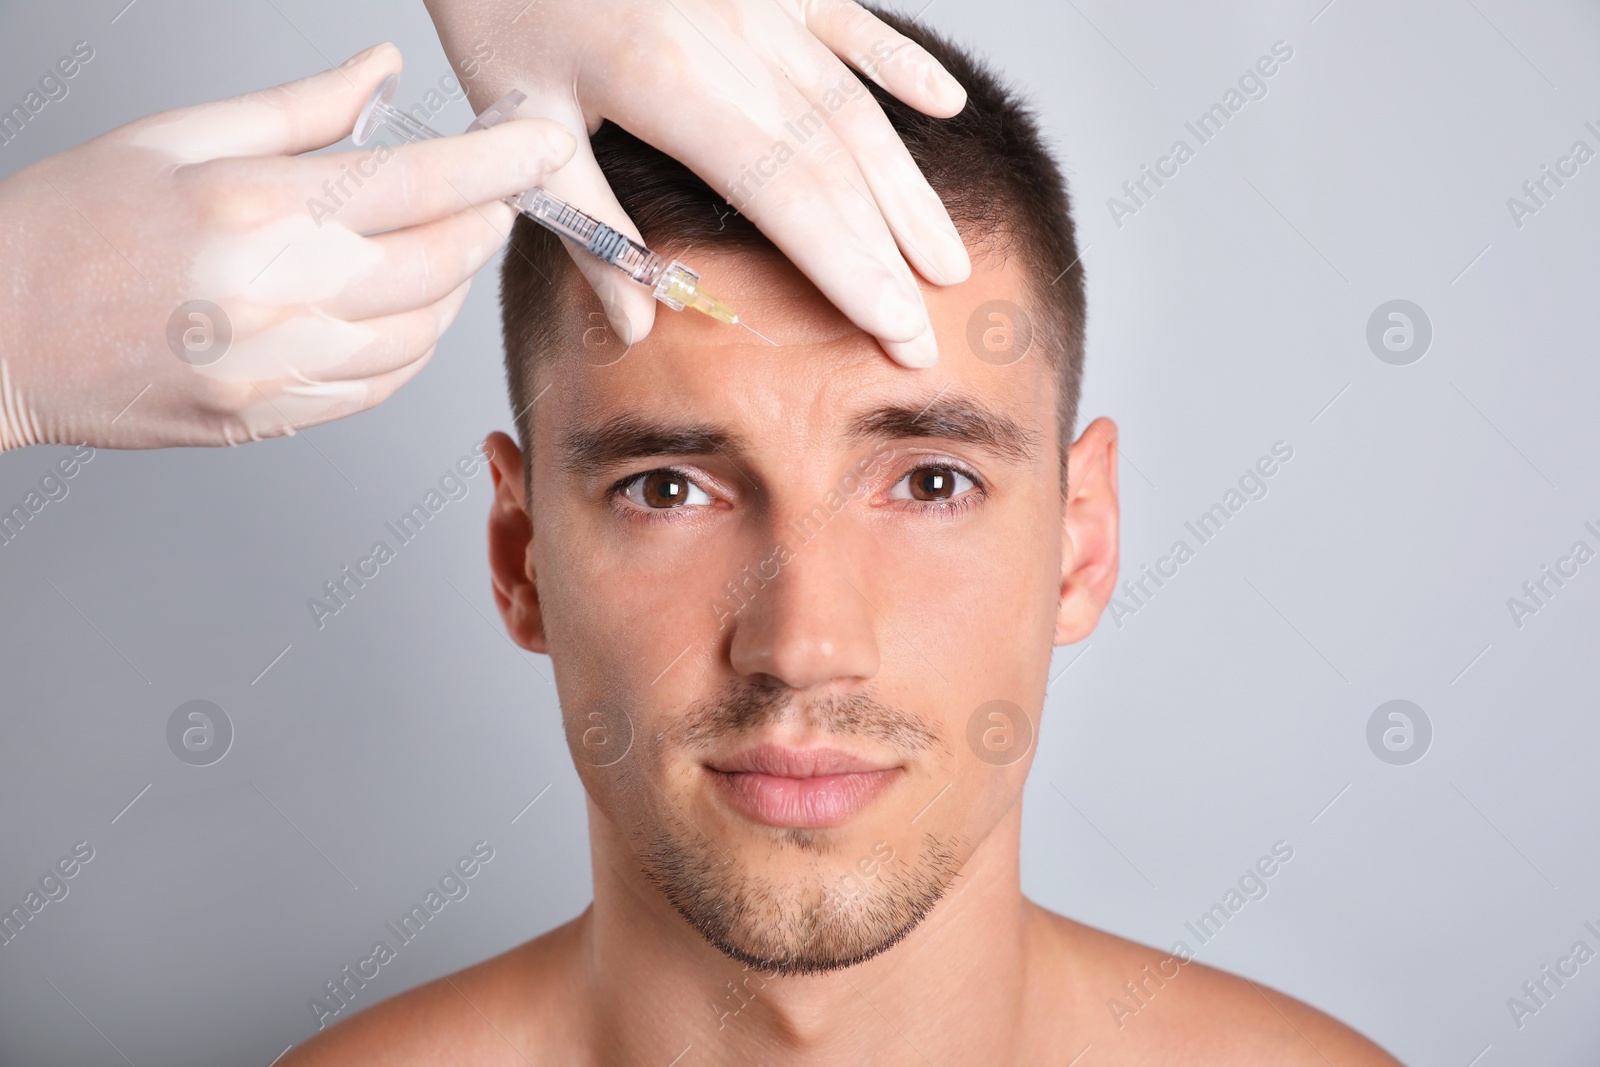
[812, 624]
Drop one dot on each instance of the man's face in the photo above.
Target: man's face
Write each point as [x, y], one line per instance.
[784, 583]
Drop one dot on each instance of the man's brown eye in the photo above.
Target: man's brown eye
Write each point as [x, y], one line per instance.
[934, 483]
[664, 489]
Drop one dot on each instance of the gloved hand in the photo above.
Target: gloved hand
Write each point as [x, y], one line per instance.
[712, 83]
[104, 248]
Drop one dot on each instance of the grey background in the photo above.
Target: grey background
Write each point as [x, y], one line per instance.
[1229, 713]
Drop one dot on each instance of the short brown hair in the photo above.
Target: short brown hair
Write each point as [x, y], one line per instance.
[989, 164]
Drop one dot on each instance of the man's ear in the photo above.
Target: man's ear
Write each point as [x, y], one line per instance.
[1088, 532]
[511, 546]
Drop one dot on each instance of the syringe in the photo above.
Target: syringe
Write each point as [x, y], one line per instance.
[674, 284]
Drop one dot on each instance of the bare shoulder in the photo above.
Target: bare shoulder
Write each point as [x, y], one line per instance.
[508, 1009]
[1143, 1005]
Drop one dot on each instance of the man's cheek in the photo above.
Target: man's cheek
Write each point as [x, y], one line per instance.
[936, 608]
[983, 612]
[619, 613]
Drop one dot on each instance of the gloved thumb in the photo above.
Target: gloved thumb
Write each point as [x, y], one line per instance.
[630, 308]
[292, 118]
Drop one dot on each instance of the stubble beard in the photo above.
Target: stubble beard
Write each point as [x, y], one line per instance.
[815, 922]
[811, 924]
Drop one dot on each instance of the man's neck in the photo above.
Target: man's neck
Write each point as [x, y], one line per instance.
[956, 984]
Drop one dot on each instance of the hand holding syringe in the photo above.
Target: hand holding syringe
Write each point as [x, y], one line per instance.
[310, 319]
[674, 284]
[180, 281]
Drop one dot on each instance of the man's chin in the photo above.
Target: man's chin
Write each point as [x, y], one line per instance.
[819, 909]
[785, 960]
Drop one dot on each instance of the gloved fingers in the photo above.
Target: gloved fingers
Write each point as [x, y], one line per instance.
[381, 387]
[799, 183]
[915, 214]
[402, 338]
[272, 346]
[887, 56]
[301, 403]
[386, 189]
[630, 308]
[286, 406]
[420, 265]
[287, 119]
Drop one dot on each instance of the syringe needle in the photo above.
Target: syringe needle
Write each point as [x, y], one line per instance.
[674, 284]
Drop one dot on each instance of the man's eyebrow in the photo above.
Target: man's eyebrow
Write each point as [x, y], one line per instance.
[621, 438]
[953, 418]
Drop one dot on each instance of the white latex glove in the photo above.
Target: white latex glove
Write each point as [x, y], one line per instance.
[712, 83]
[101, 245]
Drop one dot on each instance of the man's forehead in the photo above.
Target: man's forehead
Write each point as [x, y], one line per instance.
[796, 369]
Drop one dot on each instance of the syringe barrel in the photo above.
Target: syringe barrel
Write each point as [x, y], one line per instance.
[600, 240]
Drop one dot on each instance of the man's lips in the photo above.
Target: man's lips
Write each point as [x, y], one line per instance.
[807, 788]
[784, 762]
